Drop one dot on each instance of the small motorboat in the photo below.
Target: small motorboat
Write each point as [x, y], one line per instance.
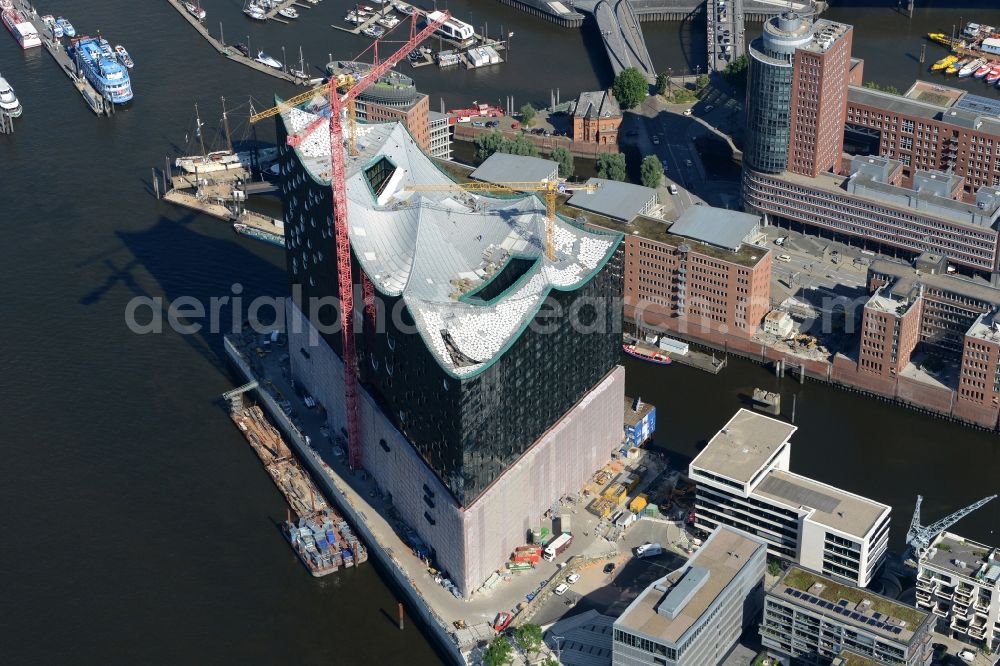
[955, 66]
[983, 71]
[994, 75]
[9, 104]
[374, 31]
[388, 22]
[367, 9]
[352, 17]
[406, 10]
[51, 24]
[123, 56]
[255, 12]
[196, 11]
[66, 26]
[288, 13]
[265, 59]
[967, 71]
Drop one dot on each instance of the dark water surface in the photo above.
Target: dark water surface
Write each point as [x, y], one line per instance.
[138, 525]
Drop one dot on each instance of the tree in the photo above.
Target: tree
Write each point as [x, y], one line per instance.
[565, 160]
[630, 88]
[529, 637]
[488, 143]
[611, 166]
[498, 653]
[736, 71]
[651, 171]
[519, 146]
[774, 567]
[550, 661]
[662, 82]
[701, 82]
[528, 114]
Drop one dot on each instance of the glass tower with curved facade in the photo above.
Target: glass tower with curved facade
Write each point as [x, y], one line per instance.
[769, 91]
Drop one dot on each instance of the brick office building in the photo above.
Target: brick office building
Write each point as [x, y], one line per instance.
[704, 274]
[961, 135]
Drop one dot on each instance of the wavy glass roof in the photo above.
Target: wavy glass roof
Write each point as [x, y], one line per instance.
[433, 248]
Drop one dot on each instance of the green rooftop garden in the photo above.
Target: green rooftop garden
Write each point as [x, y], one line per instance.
[833, 592]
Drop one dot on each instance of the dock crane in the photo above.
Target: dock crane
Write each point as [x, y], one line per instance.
[549, 187]
[919, 537]
[339, 102]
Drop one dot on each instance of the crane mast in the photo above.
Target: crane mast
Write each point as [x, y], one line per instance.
[919, 537]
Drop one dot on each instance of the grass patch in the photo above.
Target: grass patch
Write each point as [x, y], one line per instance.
[834, 592]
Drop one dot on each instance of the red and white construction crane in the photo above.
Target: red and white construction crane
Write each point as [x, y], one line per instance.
[339, 102]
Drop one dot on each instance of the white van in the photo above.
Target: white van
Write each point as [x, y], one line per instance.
[784, 258]
[672, 189]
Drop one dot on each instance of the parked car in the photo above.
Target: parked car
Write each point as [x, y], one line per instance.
[968, 656]
[609, 567]
[502, 621]
[780, 241]
[687, 112]
[656, 140]
[672, 188]
[561, 589]
[572, 578]
[478, 123]
[784, 258]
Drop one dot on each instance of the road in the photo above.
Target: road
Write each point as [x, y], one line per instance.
[724, 29]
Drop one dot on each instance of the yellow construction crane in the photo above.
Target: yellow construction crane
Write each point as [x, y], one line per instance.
[549, 187]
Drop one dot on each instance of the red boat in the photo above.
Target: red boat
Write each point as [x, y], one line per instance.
[994, 74]
[482, 110]
[647, 355]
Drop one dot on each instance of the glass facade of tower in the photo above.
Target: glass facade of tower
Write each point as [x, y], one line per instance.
[769, 104]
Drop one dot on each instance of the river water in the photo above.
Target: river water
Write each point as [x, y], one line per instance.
[138, 525]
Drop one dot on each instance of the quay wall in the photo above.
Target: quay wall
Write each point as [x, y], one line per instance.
[331, 484]
[934, 400]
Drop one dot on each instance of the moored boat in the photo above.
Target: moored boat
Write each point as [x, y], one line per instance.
[265, 59]
[955, 66]
[18, 26]
[944, 62]
[195, 10]
[9, 104]
[259, 234]
[375, 31]
[983, 71]
[967, 71]
[108, 77]
[255, 12]
[407, 10]
[650, 355]
[66, 26]
[288, 12]
[123, 56]
[994, 74]
[50, 23]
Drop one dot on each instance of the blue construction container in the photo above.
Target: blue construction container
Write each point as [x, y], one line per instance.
[640, 422]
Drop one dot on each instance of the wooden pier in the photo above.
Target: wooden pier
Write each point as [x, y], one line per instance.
[233, 54]
[217, 207]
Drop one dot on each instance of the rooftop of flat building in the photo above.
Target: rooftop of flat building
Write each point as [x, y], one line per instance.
[636, 410]
[832, 507]
[851, 658]
[743, 445]
[621, 201]
[438, 249]
[889, 301]
[721, 227]
[865, 187]
[672, 606]
[964, 557]
[932, 102]
[825, 34]
[506, 168]
[659, 230]
[986, 328]
[907, 278]
[849, 605]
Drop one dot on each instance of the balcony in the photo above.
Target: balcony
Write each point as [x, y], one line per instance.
[940, 611]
